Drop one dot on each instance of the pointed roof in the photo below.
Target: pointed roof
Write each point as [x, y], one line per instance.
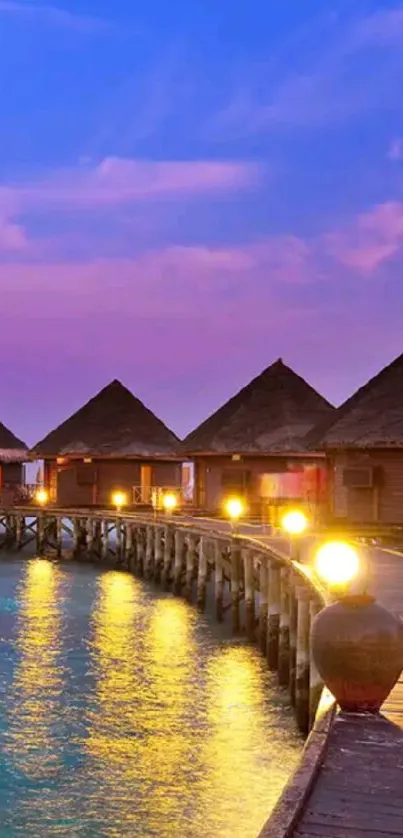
[372, 417]
[270, 415]
[114, 423]
[12, 449]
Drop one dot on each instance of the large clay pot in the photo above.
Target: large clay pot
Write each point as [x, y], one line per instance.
[357, 647]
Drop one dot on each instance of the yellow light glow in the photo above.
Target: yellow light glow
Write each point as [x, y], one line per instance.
[234, 508]
[294, 522]
[119, 499]
[42, 496]
[337, 563]
[169, 501]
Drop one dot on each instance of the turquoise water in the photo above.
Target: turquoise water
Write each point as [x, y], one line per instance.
[124, 713]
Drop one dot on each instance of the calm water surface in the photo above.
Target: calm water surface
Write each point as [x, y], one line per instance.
[124, 713]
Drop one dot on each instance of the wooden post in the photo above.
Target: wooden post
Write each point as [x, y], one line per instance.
[218, 580]
[59, 535]
[202, 574]
[293, 634]
[235, 580]
[302, 662]
[19, 531]
[263, 601]
[284, 634]
[158, 554]
[166, 570]
[273, 621]
[76, 536]
[140, 550]
[315, 682]
[178, 561]
[190, 566]
[247, 557]
[118, 537]
[40, 533]
[90, 537]
[149, 552]
[105, 540]
[129, 545]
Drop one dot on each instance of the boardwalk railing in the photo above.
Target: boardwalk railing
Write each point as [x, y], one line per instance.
[265, 596]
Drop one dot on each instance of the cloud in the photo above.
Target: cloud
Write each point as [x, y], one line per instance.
[52, 16]
[344, 68]
[395, 150]
[372, 239]
[116, 181]
[12, 236]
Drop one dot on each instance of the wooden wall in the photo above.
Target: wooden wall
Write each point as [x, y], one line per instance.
[382, 504]
[80, 484]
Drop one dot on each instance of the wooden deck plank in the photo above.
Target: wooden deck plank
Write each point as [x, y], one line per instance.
[359, 790]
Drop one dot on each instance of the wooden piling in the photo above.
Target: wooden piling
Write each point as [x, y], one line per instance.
[273, 621]
[293, 634]
[90, 537]
[104, 540]
[166, 570]
[19, 531]
[149, 559]
[263, 601]
[315, 681]
[140, 551]
[129, 546]
[190, 566]
[284, 630]
[202, 574]
[235, 585]
[158, 554]
[302, 661]
[59, 536]
[40, 534]
[218, 581]
[178, 561]
[247, 561]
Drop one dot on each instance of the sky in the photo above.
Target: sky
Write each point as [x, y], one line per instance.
[190, 190]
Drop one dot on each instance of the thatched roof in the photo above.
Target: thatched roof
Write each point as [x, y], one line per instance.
[12, 449]
[271, 415]
[112, 424]
[372, 417]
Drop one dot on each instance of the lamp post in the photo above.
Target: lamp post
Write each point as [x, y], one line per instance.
[357, 645]
[169, 502]
[119, 499]
[234, 509]
[295, 523]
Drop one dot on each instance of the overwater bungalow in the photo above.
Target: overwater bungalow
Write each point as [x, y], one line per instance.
[254, 447]
[13, 454]
[113, 443]
[364, 445]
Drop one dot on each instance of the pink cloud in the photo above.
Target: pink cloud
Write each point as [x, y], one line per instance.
[116, 181]
[12, 236]
[372, 239]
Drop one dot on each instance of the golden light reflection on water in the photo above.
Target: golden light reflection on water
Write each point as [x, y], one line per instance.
[37, 684]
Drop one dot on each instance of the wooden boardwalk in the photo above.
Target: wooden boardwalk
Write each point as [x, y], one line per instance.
[359, 789]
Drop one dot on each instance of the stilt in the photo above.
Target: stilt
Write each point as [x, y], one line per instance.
[118, 537]
[293, 634]
[19, 531]
[247, 558]
[158, 554]
[40, 534]
[105, 540]
[190, 566]
[90, 537]
[202, 574]
[302, 662]
[149, 552]
[178, 561]
[128, 545]
[235, 580]
[263, 602]
[140, 551]
[76, 536]
[59, 536]
[284, 634]
[166, 570]
[218, 581]
[273, 622]
[315, 682]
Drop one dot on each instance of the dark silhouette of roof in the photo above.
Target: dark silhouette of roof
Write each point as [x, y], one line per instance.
[372, 417]
[12, 449]
[271, 415]
[114, 423]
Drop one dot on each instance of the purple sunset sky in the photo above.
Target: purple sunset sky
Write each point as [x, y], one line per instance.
[189, 191]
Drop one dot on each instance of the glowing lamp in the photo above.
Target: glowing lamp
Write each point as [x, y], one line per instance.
[294, 522]
[337, 563]
[42, 496]
[169, 502]
[234, 508]
[119, 499]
